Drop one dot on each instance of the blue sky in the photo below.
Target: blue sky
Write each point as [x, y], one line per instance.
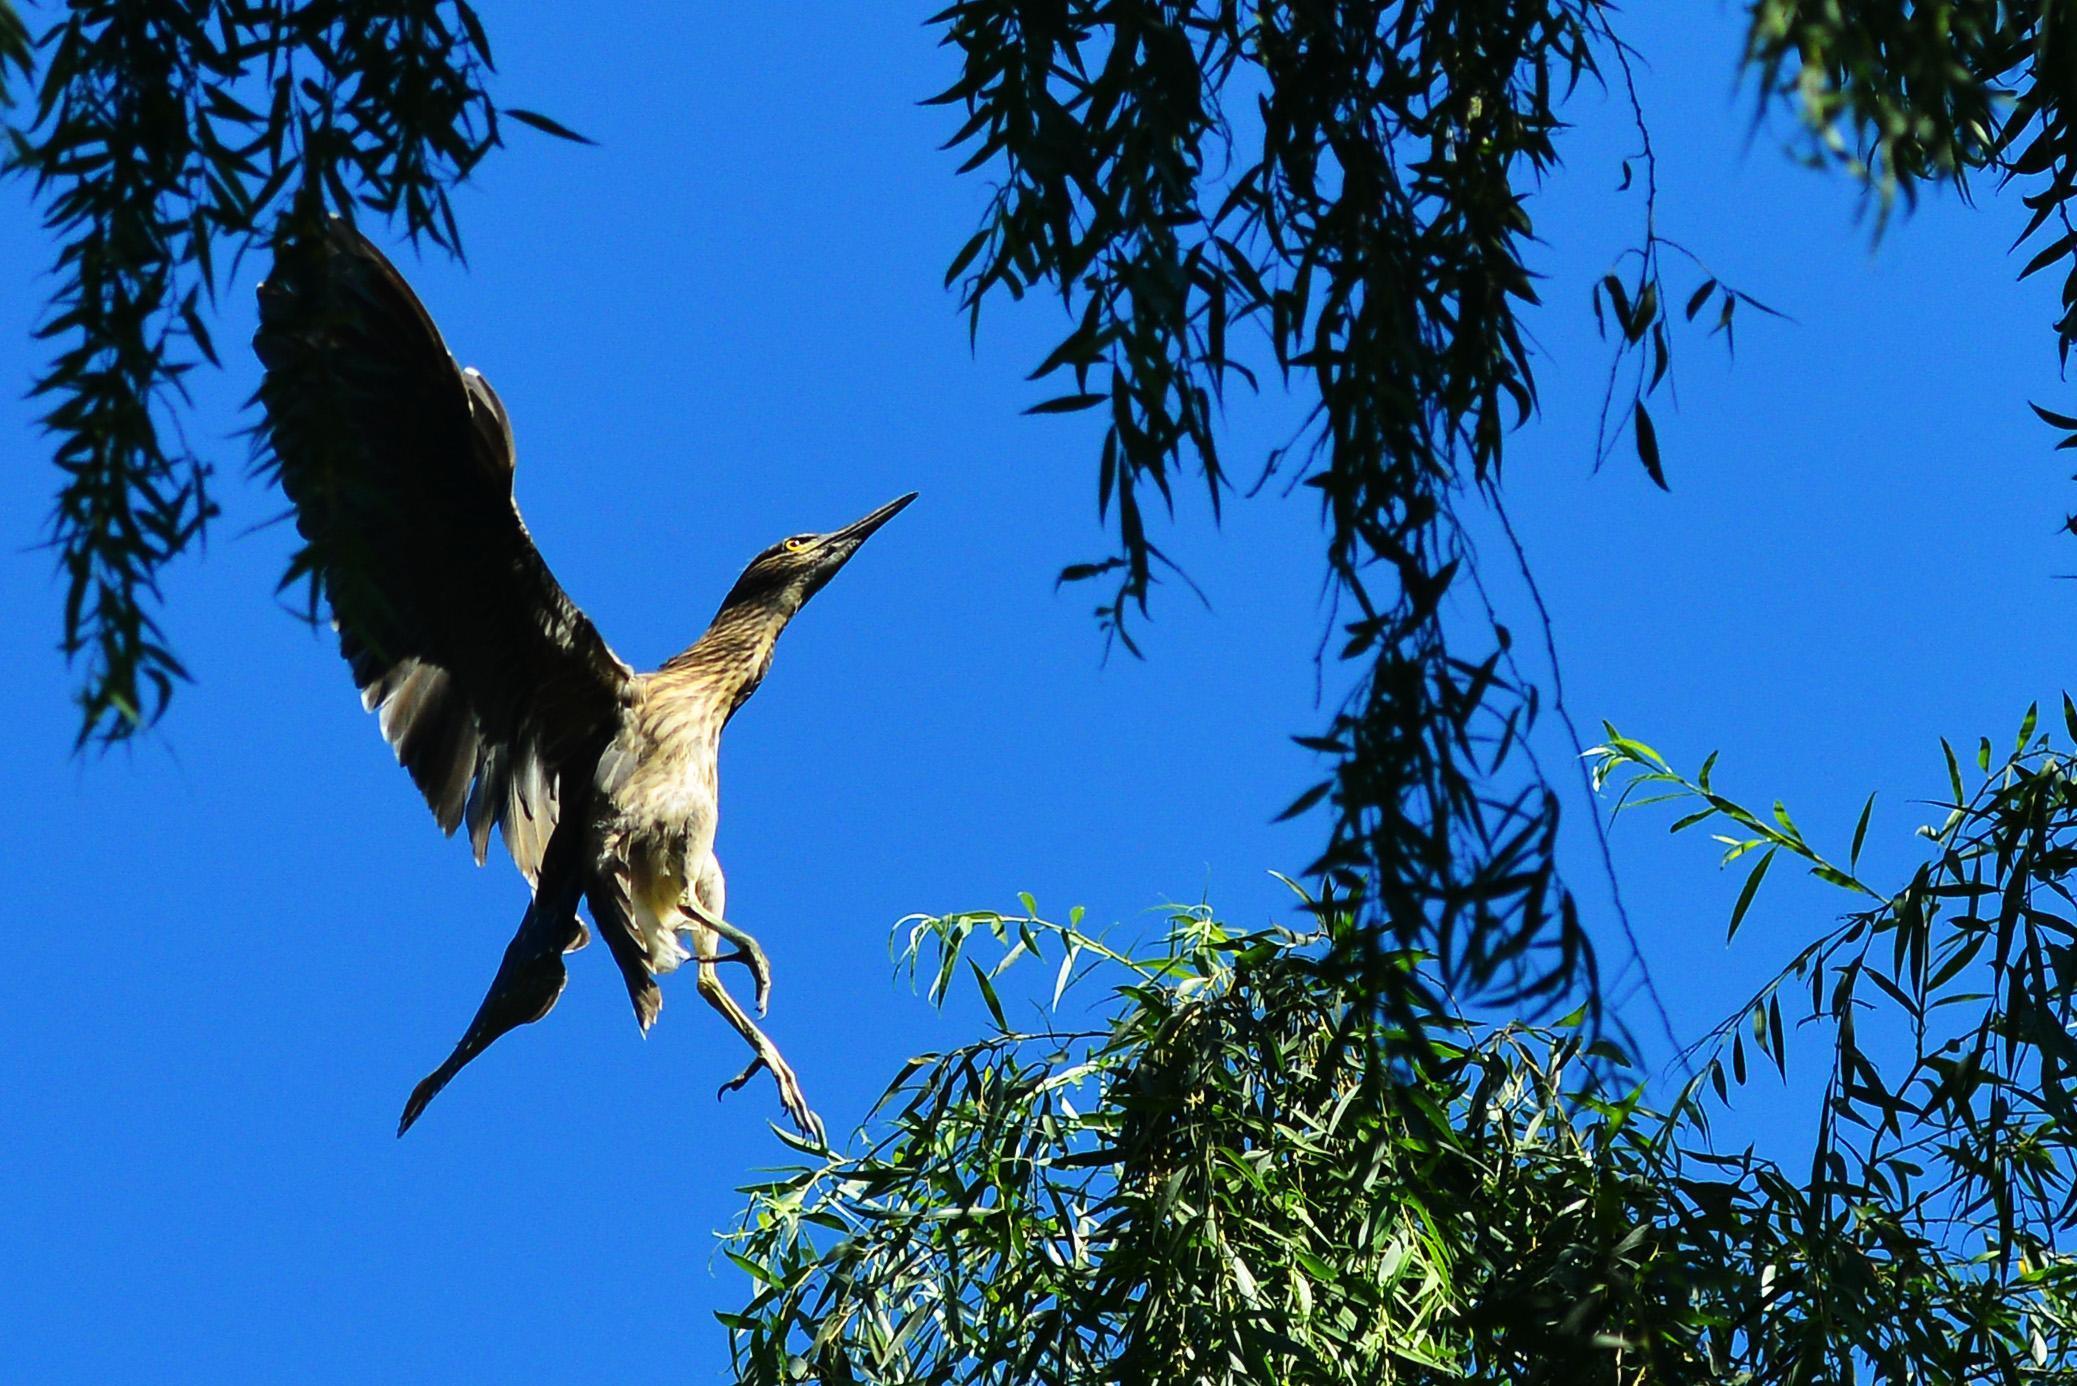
[235, 947]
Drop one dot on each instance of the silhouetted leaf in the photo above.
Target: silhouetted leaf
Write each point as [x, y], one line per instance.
[546, 125]
[1067, 404]
[1648, 447]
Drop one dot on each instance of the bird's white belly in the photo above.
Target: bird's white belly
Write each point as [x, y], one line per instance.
[658, 778]
[670, 859]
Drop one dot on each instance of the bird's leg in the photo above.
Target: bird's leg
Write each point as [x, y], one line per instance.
[766, 1053]
[748, 952]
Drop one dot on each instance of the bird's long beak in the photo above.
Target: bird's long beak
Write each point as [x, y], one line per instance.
[859, 530]
[838, 545]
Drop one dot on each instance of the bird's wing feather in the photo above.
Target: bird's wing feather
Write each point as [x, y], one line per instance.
[488, 681]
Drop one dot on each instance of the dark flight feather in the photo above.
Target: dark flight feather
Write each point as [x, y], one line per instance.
[490, 685]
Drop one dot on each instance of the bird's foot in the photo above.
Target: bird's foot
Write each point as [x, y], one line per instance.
[748, 951]
[751, 955]
[790, 1095]
[760, 972]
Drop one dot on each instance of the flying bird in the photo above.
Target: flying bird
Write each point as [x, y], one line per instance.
[496, 693]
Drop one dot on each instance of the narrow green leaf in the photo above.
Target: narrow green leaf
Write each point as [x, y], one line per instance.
[1780, 1036]
[1752, 886]
[1621, 300]
[1860, 834]
[1832, 875]
[1646, 309]
[1692, 819]
[1700, 297]
[1636, 750]
[2049, 254]
[762, 1275]
[988, 995]
[967, 253]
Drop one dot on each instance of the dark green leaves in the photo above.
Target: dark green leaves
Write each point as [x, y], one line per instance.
[1860, 834]
[1360, 239]
[1306, 800]
[1947, 1119]
[166, 140]
[1899, 102]
[1212, 1179]
[1067, 404]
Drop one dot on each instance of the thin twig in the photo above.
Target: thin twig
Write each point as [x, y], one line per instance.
[1615, 888]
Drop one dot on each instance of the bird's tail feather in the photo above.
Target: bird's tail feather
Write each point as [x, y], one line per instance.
[613, 910]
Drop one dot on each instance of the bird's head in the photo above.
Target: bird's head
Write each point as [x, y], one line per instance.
[780, 580]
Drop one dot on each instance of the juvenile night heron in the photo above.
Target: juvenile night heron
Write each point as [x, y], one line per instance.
[494, 690]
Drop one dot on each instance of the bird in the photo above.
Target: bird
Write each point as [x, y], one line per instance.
[495, 691]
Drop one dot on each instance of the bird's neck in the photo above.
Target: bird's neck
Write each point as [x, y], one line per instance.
[731, 659]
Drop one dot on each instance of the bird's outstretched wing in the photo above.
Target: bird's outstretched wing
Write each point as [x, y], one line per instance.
[490, 684]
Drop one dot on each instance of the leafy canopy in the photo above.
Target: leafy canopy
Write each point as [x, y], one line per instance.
[1223, 1171]
[163, 141]
[1168, 1196]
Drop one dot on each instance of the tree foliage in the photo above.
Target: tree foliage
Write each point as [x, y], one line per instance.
[1203, 1185]
[1202, 1179]
[1335, 198]
[1906, 95]
[1169, 1197]
[164, 140]
[1947, 1121]
[1228, 1170]
[1364, 240]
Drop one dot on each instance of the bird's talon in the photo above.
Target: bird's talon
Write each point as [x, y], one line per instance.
[803, 1116]
[741, 1078]
[760, 973]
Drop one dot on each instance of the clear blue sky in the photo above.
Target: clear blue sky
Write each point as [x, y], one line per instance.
[234, 949]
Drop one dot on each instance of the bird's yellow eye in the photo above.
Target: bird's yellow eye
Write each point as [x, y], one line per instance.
[796, 545]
